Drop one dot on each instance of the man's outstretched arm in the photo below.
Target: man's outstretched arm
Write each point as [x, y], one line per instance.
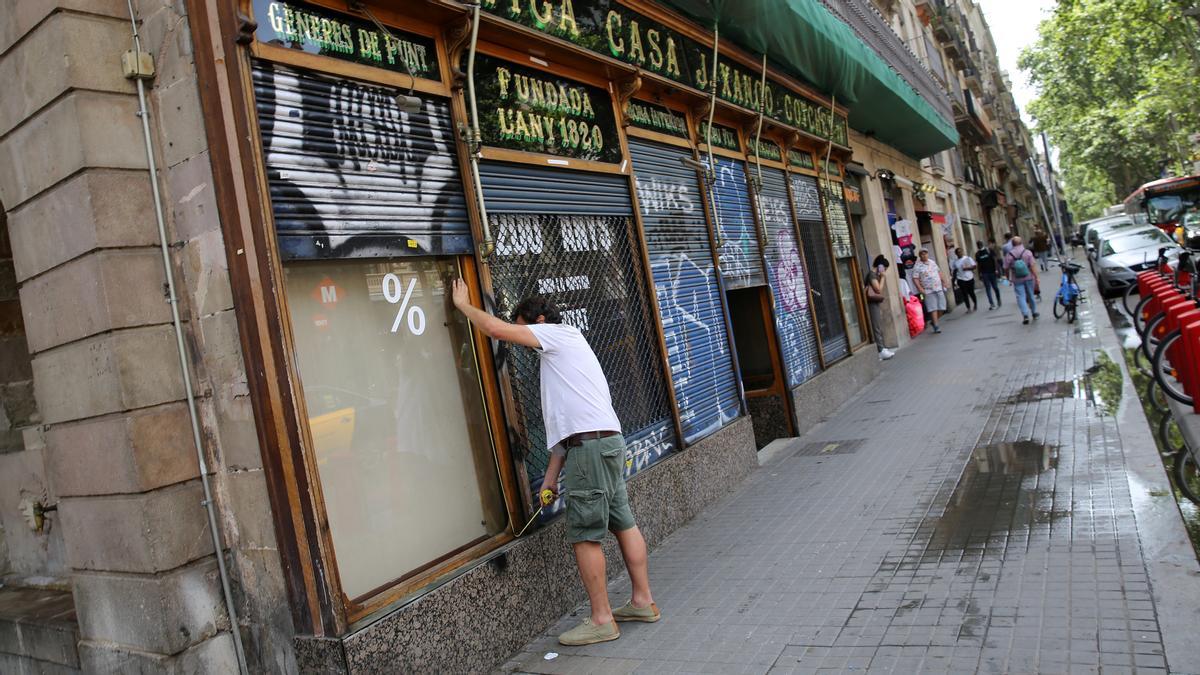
[493, 327]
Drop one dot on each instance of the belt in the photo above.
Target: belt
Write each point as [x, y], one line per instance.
[576, 440]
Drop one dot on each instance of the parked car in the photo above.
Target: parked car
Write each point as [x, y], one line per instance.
[1122, 254]
[1100, 229]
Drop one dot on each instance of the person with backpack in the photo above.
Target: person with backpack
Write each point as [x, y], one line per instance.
[1022, 272]
[985, 260]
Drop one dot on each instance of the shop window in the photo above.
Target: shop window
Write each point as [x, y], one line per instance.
[395, 414]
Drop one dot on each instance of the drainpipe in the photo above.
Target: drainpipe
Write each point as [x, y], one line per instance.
[762, 103]
[139, 67]
[710, 172]
[475, 139]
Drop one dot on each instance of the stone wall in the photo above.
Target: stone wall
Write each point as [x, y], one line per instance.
[118, 452]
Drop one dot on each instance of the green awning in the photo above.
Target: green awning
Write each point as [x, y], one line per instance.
[803, 38]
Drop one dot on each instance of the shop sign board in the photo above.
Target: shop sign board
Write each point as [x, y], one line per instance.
[722, 136]
[766, 149]
[319, 31]
[536, 111]
[611, 29]
[653, 117]
[801, 159]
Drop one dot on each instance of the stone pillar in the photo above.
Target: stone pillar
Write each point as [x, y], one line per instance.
[118, 442]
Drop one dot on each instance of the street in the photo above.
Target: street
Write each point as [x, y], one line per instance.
[992, 502]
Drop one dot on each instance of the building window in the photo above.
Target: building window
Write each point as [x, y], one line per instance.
[396, 416]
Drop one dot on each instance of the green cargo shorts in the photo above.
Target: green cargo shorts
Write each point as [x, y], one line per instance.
[596, 496]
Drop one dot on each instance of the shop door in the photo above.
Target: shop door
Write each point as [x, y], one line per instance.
[569, 236]
[369, 216]
[789, 283]
[807, 200]
[687, 287]
[740, 253]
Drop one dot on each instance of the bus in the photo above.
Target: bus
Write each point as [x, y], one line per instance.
[1172, 204]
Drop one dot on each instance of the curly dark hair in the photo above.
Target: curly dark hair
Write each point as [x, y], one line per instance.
[533, 307]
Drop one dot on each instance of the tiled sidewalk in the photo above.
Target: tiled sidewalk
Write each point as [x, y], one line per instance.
[968, 512]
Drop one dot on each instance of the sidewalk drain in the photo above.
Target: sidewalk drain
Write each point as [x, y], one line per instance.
[830, 448]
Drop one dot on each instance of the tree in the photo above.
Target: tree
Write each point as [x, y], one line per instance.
[1116, 83]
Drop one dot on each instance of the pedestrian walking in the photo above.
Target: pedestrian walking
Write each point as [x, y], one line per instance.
[932, 286]
[873, 285]
[1008, 243]
[964, 274]
[986, 262]
[1041, 248]
[1022, 272]
[583, 433]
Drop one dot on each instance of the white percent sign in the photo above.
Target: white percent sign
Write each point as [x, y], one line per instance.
[391, 293]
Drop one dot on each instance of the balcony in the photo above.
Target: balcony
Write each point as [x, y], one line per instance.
[870, 27]
[972, 123]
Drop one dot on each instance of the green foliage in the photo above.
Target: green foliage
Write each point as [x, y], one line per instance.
[1116, 83]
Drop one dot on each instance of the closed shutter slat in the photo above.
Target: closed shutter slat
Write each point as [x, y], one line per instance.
[353, 176]
[741, 261]
[789, 282]
[687, 288]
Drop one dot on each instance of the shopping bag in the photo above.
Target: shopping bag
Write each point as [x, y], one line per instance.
[916, 316]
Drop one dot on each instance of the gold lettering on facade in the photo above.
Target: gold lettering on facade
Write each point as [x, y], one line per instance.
[656, 53]
[616, 45]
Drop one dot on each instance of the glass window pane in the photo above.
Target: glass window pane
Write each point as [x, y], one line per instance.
[396, 415]
[849, 304]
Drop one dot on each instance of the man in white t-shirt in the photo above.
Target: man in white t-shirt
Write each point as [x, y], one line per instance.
[964, 273]
[583, 432]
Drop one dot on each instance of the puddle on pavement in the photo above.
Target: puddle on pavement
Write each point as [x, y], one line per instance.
[1005, 489]
[1099, 385]
[1122, 324]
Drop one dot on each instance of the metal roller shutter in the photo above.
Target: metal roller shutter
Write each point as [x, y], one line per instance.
[569, 236]
[353, 176]
[807, 199]
[741, 257]
[689, 293]
[789, 282]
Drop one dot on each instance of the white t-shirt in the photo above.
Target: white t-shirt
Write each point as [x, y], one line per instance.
[960, 271]
[575, 396]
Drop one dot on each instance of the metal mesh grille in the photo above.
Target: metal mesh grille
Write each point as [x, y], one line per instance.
[820, 267]
[586, 265]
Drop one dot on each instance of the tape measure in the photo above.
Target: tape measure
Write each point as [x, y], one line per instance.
[546, 497]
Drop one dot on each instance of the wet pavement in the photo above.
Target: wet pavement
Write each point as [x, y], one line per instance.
[988, 504]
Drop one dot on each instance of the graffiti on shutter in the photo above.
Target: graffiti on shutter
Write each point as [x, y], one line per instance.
[789, 282]
[687, 287]
[568, 236]
[351, 175]
[741, 261]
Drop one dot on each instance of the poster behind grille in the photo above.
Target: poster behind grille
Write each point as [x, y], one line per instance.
[569, 237]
